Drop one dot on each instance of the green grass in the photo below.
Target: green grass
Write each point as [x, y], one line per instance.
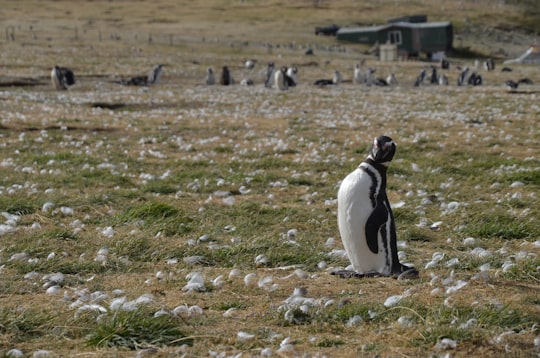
[137, 329]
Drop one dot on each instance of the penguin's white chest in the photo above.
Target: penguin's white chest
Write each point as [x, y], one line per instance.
[358, 199]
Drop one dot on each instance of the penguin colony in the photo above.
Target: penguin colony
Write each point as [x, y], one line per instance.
[365, 218]
[284, 78]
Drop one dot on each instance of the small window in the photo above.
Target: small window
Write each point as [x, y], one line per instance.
[394, 37]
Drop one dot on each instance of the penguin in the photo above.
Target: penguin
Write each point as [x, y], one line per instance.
[443, 80]
[246, 82]
[512, 86]
[279, 79]
[336, 79]
[475, 79]
[357, 76]
[369, 76]
[62, 77]
[391, 80]
[420, 78]
[434, 76]
[226, 77]
[210, 79]
[249, 65]
[292, 76]
[445, 65]
[462, 75]
[365, 218]
[155, 75]
[269, 75]
[489, 64]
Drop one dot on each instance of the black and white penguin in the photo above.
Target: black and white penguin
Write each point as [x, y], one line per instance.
[226, 77]
[280, 82]
[443, 80]
[434, 79]
[475, 79]
[62, 77]
[420, 78]
[357, 74]
[337, 79]
[155, 75]
[369, 76]
[489, 64]
[365, 219]
[292, 76]
[462, 76]
[391, 80]
[269, 75]
[511, 86]
[445, 65]
[210, 79]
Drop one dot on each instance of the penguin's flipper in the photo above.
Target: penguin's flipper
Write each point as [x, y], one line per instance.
[378, 218]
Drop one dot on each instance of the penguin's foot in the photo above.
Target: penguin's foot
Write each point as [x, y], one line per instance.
[354, 274]
[408, 273]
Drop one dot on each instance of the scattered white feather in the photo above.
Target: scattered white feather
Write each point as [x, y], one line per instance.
[249, 278]
[231, 312]
[456, 287]
[244, 336]
[354, 321]
[446, 343]
[393, 300]
[262, 259]
[108, 232]
[14, 353]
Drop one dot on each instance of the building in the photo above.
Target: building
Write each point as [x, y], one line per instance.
[411, 38]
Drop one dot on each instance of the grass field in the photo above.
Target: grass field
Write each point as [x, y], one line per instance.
[189, 220]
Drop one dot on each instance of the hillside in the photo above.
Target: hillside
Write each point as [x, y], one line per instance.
[486, 27]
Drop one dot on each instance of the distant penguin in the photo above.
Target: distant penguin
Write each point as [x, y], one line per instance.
[365, 219]
[380, 82]
[357, 75]
[525, 81]
[420, 78]
[292, 76]
[445, 65]
[474, 79]
[279, 79]
[511, 86]
[462, 76]
[443, 80]
[336, 80]
[434, 76]
[391, 80]
[489, 64]
[155, 75]
[250, 64]
[246, 82]
[226, 77]
[269, 75]
[369, 76]
[62, 77]
[210, 79]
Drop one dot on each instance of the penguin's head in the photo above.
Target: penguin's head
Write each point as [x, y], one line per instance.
[382, 150]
